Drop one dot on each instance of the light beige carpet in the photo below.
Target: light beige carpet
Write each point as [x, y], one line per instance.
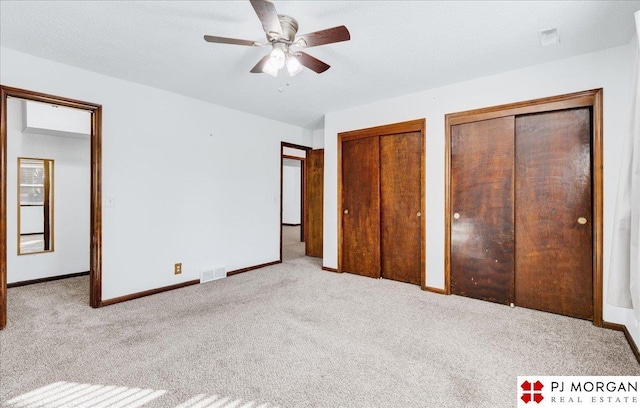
[289, 335]
[292, 247]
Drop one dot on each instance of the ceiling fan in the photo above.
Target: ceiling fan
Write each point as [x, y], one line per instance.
[281, 36]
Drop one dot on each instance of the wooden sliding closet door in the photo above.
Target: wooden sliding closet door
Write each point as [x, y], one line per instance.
[361, 207]
[553, 212]
[400, 218]
[482, 230]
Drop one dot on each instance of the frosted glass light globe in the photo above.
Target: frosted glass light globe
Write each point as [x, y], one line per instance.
[277, 57]
[293, 65]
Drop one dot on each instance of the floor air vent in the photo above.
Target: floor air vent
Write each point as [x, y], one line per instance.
[211, 274]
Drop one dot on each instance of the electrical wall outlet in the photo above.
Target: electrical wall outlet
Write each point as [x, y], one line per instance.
[177, 269]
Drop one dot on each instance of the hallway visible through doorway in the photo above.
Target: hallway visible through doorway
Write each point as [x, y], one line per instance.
[292, 247]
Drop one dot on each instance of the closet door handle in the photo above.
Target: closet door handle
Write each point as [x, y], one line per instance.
[456, 215]
[582, 220]
[346, 211]
[418, 214]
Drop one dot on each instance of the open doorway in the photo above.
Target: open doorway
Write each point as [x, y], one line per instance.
[50, 163]
[292, 201]
[301, 201]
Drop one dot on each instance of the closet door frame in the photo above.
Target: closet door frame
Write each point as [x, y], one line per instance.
[418, 125]
[591, 98]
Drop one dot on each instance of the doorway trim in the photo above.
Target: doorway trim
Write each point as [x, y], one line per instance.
[418, 125]
[591, 98]
[304, 178]
[95, 261]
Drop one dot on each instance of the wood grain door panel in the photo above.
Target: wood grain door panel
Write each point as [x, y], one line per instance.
[400, 197]
[482, 229]
[315, 196]
[361, 207]
[553, 191]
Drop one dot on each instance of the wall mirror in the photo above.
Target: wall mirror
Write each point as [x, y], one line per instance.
[35, 205]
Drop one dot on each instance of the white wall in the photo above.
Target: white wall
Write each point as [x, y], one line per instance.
[318, 139]
[292, 151]
[192, 182]
[609, 69]
[291, 191]
[71, 200]
[47, 119]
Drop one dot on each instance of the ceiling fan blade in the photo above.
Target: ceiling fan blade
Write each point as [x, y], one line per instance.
[328, 36]
[312, 63]
[258, 68]
[225, 40]
[268, 16]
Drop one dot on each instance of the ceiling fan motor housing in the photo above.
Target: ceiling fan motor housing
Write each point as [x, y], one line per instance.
[289, 28]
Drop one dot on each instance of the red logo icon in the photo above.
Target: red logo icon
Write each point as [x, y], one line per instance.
[532, 392]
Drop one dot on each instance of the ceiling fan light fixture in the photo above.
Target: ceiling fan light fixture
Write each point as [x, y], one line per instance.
[281, 31]
[293, 65]
[277, 57]
[268, 68]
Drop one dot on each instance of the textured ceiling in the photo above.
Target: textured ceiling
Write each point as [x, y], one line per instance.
[396, 47]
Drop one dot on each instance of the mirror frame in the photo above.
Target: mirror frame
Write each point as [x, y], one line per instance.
[48, 206]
